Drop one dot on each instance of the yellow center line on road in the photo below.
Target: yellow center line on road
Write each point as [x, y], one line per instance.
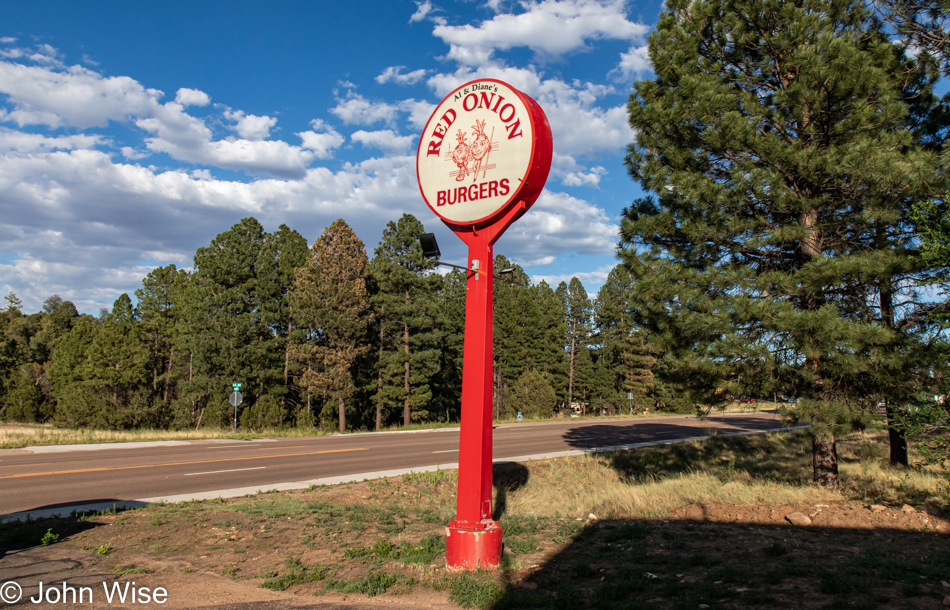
[255, 457]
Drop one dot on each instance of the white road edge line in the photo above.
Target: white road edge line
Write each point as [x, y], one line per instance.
[447, 451]
[191, 474]
[347, 478]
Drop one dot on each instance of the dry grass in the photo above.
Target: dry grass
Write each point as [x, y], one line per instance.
[750, 470]
[26, 435]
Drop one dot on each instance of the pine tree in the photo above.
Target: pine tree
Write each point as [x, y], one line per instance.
[638, 363]
[403, 303]
[158, 316]
[331, 302]
[282, 252]
[774, 141]
[577, 311]
[612, 324]
[449, 324]
[552, 359]
[517, 333]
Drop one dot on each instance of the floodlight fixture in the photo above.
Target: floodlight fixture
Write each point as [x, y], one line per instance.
[430, 247]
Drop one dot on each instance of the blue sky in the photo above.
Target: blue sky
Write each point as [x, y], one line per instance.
[132, 133]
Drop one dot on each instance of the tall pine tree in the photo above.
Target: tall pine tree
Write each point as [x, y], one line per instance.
[330, 301]
[404, 310]
[773, 139]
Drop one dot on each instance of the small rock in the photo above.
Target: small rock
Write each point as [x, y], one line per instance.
[907, 508]
[592, 517]
[946, 585]
[877, 508]
[694, 512]
[797, 518]
[703, 606]
[743, 590]
[946, 601]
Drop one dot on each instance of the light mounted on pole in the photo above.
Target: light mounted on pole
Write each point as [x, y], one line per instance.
[430, 249]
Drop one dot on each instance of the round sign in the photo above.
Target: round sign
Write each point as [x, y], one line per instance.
[486, 147]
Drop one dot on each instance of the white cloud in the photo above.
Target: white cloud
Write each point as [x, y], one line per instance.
[634, 63]
[386, 140]
[322, 140]
[590, 279]
[250, 126]
[394, 74]
[423, 9]
[11, 140]
[192, 97]
[74, 97]
[187, 138]
[550, 28]
[357, 110]
[559, 224]
[89, 226]
[133, 155]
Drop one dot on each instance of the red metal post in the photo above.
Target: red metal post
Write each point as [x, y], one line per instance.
[473, 538]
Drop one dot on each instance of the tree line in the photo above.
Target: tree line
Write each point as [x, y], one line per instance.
[321, 336]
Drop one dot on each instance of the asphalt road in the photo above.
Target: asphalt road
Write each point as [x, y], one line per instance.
[40, 478]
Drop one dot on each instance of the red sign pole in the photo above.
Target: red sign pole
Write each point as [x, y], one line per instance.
[478, 194]
[473, 538]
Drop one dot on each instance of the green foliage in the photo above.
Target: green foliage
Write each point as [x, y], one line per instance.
[404, 308]
[532, 396]
[49, 538]
[470, 591]
[782, 156]
[330, 302]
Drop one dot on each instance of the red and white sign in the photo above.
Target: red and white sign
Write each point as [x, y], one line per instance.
[486, 146]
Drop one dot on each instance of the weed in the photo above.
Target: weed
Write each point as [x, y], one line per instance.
[522, 547]
[49, 538]
[469, 591]
[297, 574]
[389, 525]
[357, 552]
[425, 551]
[383, 548]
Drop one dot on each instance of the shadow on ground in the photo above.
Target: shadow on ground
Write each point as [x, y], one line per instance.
[601, 435]
[699, 564]
[99, 505]
[506, 477]
[764, 457]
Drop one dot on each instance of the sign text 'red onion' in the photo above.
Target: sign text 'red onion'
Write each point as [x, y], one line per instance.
[485, 147]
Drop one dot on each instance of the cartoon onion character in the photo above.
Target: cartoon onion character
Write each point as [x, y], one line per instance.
[480, 146]
[461, 155]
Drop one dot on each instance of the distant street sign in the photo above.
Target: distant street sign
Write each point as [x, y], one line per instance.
[235, 399]
[236, 386]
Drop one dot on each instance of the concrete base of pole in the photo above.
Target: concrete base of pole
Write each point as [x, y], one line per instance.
[468, 549]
